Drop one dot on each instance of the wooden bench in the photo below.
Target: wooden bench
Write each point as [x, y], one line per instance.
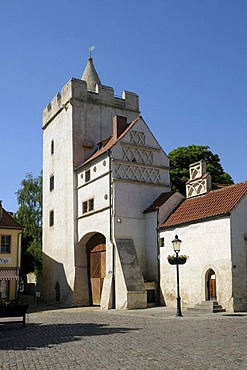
[14, 311]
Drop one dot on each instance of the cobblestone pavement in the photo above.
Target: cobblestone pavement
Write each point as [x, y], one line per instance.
[89, 338]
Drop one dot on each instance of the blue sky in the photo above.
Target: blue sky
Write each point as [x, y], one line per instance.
[186, 59]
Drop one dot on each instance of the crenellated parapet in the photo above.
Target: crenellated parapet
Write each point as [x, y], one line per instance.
[76, 89]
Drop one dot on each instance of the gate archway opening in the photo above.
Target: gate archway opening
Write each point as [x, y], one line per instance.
[96, 262]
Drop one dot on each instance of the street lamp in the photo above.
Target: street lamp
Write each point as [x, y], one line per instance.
[176, 243]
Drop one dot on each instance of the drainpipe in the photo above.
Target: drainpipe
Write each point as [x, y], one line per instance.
[158, 255]
[17, 287]
[111, 226]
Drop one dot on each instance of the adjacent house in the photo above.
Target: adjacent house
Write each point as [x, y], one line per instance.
[212, 224]
[10, 255]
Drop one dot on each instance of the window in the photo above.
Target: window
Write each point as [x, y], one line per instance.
[5, 243]
[87, 176]
[91, 204]
[51, 218]
[51, 183]
[88, 205]
[52, 147]
[162, 242]
[4, 289]
[84, 207]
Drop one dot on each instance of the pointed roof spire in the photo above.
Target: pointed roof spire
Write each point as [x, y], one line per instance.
[90, 75]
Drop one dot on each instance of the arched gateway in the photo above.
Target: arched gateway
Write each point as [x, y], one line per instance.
[96, 262]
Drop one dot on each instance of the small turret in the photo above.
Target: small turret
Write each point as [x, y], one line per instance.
[91, 76]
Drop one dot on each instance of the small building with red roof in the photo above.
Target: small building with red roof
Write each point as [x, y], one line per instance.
[212, 225]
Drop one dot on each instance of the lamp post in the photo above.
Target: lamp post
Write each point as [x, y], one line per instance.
[176, 243]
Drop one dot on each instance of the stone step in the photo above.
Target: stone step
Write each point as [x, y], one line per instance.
[207, 307]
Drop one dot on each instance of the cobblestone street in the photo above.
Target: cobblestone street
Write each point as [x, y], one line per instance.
[88, 338]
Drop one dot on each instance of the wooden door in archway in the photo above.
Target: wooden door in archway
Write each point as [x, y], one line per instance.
[96, 251]
[211, 285]
[212, 288]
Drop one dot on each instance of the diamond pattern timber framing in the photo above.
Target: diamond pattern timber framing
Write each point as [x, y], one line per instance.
[137, 138]
[137, 155]
[137, 173]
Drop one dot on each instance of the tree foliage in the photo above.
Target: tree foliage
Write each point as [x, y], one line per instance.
[182, 157]
[29, 214]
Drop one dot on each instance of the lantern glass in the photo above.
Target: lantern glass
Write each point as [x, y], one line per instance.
[176, 243]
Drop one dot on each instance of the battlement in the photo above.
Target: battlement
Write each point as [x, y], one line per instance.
[76, 89]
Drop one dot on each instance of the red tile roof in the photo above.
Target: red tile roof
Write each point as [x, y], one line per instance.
[109, 144]
[215, 203]
[8, 222]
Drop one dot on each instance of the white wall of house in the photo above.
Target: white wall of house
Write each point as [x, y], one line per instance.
[208, 245]
[239, 255]
[131, 202]
[140, 175]
[152, 247]
[130, 197]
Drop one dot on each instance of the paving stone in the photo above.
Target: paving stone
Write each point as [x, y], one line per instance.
[151, 339]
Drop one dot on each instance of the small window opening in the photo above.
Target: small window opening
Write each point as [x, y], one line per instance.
[88, 205]
[84, 207]
[87, 176]
[51, 218]
[91, 204]
[52, 147]
[51, 183]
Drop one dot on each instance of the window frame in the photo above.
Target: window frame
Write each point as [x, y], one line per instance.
[4, 247]
[88, 206]
[4, 289]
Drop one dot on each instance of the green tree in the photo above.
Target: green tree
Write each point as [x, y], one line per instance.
[182, 157]
[29, 214]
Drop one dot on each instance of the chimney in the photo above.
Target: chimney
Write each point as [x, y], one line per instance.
[119, 126]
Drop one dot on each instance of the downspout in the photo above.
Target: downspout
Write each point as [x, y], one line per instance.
[158, 255]
[17, 287]
[111, 226]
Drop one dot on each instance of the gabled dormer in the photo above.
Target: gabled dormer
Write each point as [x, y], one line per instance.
[200, 181]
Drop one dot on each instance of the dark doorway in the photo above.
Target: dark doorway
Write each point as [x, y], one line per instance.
[211, 285]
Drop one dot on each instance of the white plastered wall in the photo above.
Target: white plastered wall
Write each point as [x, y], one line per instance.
[208, 245]
[239, 255]
[58, 240]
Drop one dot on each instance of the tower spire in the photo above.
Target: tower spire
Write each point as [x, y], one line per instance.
[90, 75]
